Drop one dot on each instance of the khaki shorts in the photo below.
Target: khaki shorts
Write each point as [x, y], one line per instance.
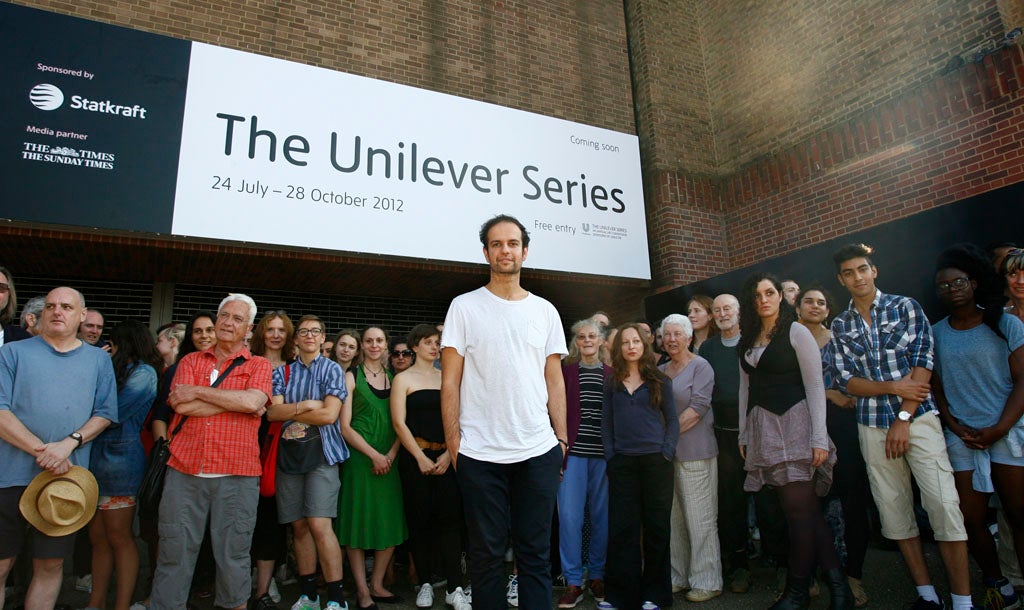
[926, 459]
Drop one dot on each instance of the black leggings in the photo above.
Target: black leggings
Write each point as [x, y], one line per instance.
[810, 540]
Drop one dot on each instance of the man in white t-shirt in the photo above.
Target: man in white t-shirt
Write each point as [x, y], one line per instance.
[503, 405]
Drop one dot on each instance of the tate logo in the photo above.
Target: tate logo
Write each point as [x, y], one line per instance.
[46, 97]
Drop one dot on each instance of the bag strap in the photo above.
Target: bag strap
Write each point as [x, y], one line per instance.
[234, 363]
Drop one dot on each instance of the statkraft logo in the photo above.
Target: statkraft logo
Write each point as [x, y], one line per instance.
[49, 97]
[46, 96]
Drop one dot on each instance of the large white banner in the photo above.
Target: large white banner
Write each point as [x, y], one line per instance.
[282, 153]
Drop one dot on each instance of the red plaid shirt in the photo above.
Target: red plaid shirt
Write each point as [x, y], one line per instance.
[225, 443]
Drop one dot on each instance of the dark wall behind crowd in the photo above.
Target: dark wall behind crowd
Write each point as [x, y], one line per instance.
[905, 253]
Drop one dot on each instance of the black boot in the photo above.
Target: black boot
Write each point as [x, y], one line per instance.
[841, 596]
[796, 595]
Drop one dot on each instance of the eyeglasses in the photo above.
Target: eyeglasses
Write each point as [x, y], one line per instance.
[309, 332]
[958, 284]
[404, 353]
[5, 287]
[276, 312]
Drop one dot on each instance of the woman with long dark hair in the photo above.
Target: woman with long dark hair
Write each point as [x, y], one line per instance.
[639, 429]
[979, 388]
[118, 463]
[783, 435]
[850, 481]
[1012, 270]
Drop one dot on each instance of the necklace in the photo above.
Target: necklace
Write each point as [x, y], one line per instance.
[375, 373]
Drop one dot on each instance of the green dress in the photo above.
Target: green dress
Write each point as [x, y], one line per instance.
[370, 514]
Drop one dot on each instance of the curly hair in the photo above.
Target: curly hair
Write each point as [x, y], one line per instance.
[975, 262]
[648, 366]
[750, 321]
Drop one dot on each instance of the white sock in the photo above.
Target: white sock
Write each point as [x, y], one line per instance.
[962, 602]
[928, 593]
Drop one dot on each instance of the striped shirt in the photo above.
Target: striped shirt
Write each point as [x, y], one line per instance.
[898, 340]
[588, 440]
[323, 377]
[225, 443]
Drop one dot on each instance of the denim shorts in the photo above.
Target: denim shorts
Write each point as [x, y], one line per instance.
[962, 457]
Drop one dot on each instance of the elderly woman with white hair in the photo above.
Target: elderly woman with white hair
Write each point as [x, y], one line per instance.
[696, 556]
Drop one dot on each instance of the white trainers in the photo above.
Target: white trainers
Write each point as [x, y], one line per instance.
[457, 600]
[512, 595]
[336, 606]
[304, 603]
[84, 584]
[425, 597]
[273, 591]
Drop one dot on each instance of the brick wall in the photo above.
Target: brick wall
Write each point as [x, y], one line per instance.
[554, 57]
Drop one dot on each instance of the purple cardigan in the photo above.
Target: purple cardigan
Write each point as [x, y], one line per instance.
[571, 374]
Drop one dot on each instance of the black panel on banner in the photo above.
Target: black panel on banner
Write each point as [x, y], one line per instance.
[92, 121]
[905, 253]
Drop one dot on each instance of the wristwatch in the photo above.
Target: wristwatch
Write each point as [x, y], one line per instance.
[77, 436]
[905, 415]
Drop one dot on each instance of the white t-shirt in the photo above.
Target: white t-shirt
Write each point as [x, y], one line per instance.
[503, 413]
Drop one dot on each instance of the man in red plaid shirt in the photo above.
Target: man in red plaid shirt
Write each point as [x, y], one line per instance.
[215, 462]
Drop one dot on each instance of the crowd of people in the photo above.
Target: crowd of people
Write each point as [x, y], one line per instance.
[651, 452]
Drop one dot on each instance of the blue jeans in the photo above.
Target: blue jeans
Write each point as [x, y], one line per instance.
[490, 493]
[584, 482]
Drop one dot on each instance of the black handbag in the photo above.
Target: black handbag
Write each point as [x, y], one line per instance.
[152, 488]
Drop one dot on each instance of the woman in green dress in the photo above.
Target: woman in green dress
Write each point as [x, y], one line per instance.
[370, 514]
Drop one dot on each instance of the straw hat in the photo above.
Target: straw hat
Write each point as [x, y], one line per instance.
[58, 505]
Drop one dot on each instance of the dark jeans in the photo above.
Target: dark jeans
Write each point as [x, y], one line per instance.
[433, 512]
[638, 568]
[490, 493]
[850, 485]
[732, 501]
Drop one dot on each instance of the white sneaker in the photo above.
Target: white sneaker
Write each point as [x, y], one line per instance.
[425, 597]
[512, 595]
[273, 591]
[304, 603]
[650, 606]
[457, 600]
[84, 584]
[138, 606]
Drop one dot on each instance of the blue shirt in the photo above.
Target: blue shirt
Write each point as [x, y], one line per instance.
[631, 426]
[974, 365]
[898, 340]
[52, 394]
[118, 460]
[323, 377]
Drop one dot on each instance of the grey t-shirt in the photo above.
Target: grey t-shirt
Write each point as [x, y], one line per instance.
[53, 394]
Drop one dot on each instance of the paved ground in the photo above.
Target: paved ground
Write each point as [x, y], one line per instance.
[885, 579]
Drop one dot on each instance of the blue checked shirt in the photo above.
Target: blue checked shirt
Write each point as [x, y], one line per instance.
[898, 340]
[323, 377]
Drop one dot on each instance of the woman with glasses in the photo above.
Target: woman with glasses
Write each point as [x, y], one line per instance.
[10, 331]
[979, 388]
[370, 514]
[346, 351]
[271, 338]
[400, 357]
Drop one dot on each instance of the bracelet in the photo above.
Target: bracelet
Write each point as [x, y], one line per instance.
[566, 443]
[296, 410]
